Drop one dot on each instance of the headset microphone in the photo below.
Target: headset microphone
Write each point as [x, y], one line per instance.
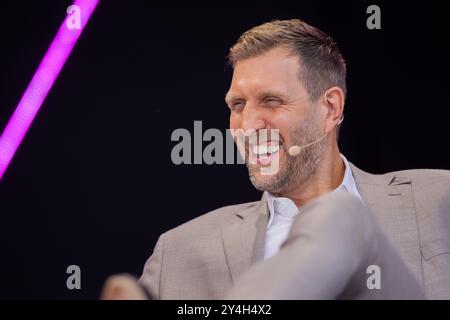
[296, 149]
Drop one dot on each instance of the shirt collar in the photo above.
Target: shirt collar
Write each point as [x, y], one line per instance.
[286, 207]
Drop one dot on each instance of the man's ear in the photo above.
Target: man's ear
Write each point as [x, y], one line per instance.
[334, 100]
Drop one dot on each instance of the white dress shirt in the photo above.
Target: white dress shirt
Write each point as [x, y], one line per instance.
[282, 212]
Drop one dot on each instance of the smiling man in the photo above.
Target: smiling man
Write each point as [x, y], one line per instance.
[322, 225]
[266, 93]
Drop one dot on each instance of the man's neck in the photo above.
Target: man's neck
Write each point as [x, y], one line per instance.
[327, 177]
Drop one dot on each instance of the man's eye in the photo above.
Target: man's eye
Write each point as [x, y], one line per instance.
[237, 106]
[272, 102]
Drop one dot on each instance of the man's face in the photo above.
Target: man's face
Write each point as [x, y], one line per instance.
[266, 93]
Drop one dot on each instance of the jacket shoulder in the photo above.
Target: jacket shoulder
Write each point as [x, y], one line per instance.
[435, 181]
[424, 175]
[425, 183]
[210, 221]
[418, 176]
[431, 186]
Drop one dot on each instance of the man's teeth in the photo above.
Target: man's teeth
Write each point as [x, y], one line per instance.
[264, 149]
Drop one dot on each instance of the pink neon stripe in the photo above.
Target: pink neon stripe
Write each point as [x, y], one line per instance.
[41, 84]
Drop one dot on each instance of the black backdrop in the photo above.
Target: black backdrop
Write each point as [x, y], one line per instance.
[93, 183]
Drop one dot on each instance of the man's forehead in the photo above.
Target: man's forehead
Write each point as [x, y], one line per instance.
[278, 58]
[259, 73]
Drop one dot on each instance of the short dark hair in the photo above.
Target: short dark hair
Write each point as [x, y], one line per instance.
[323, 65]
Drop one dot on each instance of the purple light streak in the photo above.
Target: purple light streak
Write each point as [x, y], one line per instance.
[41, 83]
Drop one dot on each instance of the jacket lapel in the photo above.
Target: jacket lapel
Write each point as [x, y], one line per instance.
[390, 198]
[244, 238]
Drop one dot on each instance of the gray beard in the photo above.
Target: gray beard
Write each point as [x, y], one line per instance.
[294, 170]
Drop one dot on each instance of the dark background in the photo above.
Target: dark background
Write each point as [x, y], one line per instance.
[93, 183]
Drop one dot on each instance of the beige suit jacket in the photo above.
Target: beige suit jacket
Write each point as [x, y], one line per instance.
[203, 257]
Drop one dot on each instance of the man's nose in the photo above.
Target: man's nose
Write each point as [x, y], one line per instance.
[252, 119]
